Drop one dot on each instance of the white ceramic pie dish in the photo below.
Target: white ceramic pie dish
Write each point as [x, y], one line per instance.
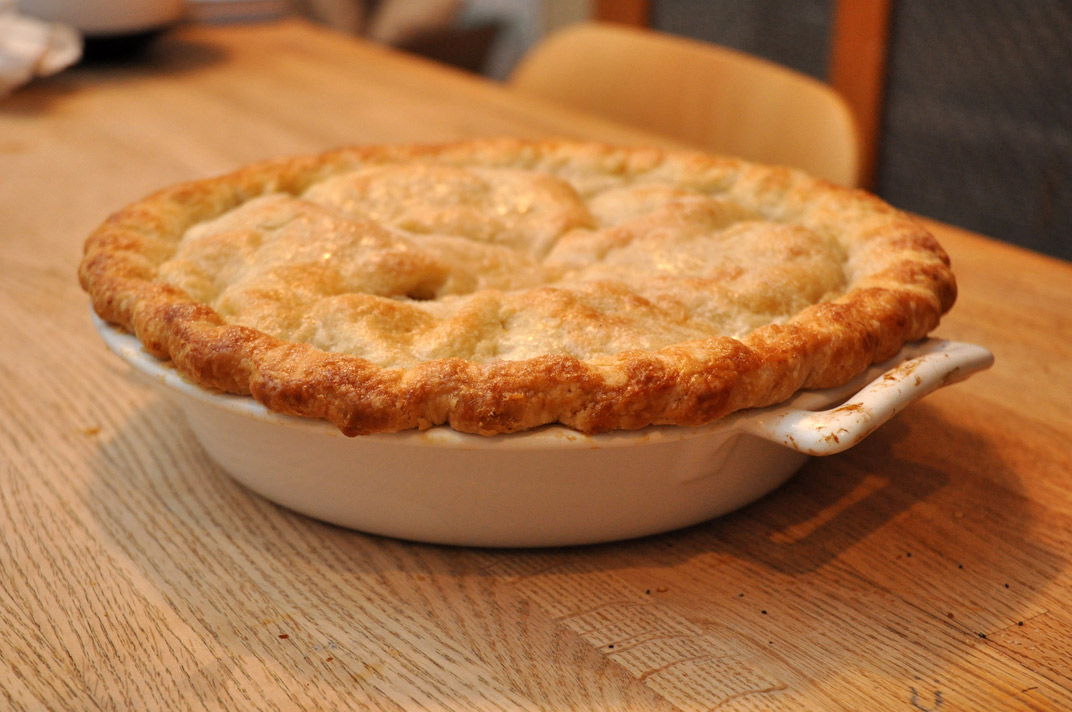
[548, 487]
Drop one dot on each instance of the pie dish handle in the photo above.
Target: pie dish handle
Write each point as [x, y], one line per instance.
[929, 365]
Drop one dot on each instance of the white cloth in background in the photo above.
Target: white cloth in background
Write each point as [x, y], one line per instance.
[32, 48]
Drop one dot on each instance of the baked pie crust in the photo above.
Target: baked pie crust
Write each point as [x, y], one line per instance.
[500, 285]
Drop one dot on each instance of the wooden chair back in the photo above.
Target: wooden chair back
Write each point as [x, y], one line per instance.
[715, 98]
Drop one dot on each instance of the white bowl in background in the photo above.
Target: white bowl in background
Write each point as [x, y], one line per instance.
[107, 17]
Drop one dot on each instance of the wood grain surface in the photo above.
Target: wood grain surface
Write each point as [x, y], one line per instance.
[928, 568]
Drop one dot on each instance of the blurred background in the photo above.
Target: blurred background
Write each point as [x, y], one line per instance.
[972, 105]
[975, 118]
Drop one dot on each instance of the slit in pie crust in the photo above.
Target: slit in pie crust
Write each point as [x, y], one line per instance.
[500, 285]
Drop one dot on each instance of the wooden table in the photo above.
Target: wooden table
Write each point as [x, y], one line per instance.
[930, 566]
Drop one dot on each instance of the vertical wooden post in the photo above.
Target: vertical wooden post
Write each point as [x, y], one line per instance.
[627, 12]
[859, 46]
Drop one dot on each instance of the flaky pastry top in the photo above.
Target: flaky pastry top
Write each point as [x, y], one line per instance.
[497, 286]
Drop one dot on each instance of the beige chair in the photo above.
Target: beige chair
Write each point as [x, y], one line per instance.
[701, 94]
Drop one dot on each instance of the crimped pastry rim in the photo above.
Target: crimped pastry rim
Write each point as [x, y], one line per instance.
[899, 297]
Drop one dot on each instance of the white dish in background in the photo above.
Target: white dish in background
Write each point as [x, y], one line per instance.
[547, 487]
[107, 17]
[219, 11]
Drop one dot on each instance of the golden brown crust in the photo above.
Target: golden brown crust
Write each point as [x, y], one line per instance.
[897, 284]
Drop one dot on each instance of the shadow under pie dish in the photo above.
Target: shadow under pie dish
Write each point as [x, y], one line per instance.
[500, 286]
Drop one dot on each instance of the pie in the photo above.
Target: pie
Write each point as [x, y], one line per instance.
[500, 285]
